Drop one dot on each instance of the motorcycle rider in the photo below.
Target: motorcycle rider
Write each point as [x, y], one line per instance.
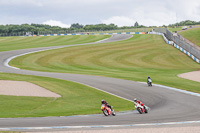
[139, 102]
[104, 102]
[148, 79]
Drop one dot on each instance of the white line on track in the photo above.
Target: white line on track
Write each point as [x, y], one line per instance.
[6, 63]
[96, 126]
[175, 89]
[102, 40]
[104, 91]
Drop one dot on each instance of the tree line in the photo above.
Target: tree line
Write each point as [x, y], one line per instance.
[42, 29]
[185, 23]
[37, 29]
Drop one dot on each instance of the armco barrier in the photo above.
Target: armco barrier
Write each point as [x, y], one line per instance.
[177, 46]
[176, 38]
[92, 34]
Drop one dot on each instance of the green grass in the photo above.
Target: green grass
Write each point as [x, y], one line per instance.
[192, 34]
[175, 29]
[132, 59]
[15, 43]
[76, 99]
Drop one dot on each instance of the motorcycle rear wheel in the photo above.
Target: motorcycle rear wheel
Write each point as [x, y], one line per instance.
[139, 110]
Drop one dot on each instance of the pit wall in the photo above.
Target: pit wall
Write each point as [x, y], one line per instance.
[176, 46]
[91, 34]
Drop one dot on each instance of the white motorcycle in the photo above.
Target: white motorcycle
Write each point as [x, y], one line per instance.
[141, 109]
[149, 82]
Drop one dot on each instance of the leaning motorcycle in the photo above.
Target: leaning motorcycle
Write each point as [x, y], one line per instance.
[107, 111]
[141, 109]
[149, 82]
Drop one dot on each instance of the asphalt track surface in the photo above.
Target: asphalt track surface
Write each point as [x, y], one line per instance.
[166, 105]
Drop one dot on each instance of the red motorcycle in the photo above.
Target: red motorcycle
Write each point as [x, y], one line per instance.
[107, 111]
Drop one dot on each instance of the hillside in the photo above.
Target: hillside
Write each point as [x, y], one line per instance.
[192, 35]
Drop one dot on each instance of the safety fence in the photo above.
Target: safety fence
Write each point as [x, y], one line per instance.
[69, 32]
[178, 40]
[175, 41]
[91, 34]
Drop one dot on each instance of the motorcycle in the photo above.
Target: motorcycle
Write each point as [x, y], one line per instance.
[107, 111]
[149, 82]
[141, 109]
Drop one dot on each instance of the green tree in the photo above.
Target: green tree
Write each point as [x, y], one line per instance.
[76, 26]
[136, 24]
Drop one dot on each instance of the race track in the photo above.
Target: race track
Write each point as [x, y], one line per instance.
[166, 105]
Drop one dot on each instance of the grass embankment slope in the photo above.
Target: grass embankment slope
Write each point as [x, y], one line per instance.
[76, 98]
[132, 59]
[192, 35]
[174, 29]
[15, 43]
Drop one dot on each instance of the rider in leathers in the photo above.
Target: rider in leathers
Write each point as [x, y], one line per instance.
[148, 79]
[137, 101]
[104, 102]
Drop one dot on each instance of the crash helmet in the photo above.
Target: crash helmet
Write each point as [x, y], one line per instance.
[135, 100]
[103, 101]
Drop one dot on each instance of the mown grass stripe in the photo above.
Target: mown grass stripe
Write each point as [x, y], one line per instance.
[14, 43]
[133, 59]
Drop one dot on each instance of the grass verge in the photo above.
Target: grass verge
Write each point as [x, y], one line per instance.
[15, 43]
[132, 59]
[193, 35]
[76, 99]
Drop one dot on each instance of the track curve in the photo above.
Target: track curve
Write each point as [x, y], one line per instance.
[166, 105]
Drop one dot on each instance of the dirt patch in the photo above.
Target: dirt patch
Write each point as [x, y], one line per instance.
[22, 88]
[195, 76]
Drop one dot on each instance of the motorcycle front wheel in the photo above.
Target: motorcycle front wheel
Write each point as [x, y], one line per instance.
[105, 112]
[146, 110]
[113, 113]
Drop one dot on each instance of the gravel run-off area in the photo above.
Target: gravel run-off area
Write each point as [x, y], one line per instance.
[195, 76]
[22, 88]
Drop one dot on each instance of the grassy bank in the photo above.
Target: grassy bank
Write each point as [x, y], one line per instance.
[76, 99]
[132, 59]
[15, 43]
[192, 34]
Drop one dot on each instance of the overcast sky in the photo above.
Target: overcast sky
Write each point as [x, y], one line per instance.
[120, 12]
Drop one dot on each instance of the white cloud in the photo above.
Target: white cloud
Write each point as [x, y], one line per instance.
[119, 21]
[21, 2]
[56, 23]
[157, 18]
[121, 13]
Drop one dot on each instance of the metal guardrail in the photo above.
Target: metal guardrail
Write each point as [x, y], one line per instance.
[180, 41]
